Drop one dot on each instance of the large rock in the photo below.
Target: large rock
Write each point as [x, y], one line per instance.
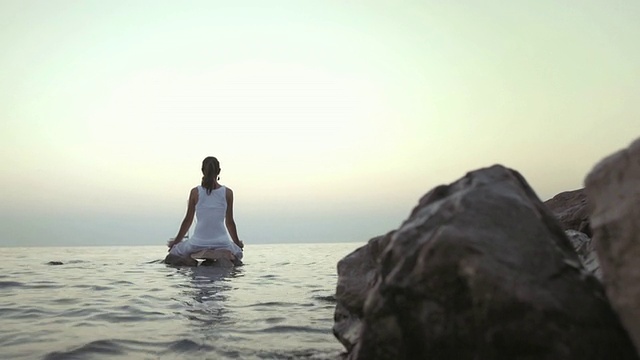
[480, 270]
[613, 188]
[357, 274]
[571, 208]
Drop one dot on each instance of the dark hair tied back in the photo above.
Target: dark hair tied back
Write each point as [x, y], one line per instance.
[210, 170]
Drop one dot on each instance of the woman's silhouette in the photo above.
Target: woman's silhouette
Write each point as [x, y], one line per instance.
[215, 235]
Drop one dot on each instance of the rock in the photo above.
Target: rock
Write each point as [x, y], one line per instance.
[480, 270]
[356, 275]
[613, 188]
[212, 257]
[222, 263]
[571, 208]
[175, 260]
[586, 251]
[55, 263]
[216, 257]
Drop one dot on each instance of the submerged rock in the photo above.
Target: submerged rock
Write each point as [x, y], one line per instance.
[613, 188]
[175, 260]
[571, 208]
[210, 257]
[480, 270]
[55, 263]
[216, 257]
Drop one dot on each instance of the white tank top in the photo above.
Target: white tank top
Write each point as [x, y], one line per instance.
[210, 213]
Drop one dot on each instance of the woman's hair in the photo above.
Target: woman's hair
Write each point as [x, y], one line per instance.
[210, 170]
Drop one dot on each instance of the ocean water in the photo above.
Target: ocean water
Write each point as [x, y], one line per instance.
[122, 303]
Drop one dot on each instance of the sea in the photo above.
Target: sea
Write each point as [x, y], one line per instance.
[124, 303]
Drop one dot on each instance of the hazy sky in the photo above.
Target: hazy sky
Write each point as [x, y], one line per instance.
[330, 118]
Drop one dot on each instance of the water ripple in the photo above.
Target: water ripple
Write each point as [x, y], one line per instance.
[127, 348]
[327, 298]
[105, 347]
[10, 284]
[294, 329]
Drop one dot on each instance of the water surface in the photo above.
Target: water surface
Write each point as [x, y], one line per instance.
[121, 303]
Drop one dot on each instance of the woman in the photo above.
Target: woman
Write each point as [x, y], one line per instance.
[212, 205]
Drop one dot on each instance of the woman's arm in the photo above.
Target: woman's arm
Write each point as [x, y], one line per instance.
[188, 218]
[230, 222]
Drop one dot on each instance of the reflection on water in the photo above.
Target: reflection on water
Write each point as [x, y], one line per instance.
[210, 282]
[205, 294]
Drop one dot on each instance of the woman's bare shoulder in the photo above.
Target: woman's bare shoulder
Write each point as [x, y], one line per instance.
[193, 194]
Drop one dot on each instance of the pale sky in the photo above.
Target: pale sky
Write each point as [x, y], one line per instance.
[330, 118]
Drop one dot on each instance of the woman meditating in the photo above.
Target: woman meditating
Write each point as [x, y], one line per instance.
[215, 236]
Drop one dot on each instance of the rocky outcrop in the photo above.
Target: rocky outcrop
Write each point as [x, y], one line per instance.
[571, 208]
[613, 188]
[480, 270]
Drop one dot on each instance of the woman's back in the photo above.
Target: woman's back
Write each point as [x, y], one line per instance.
[210, 213]
[215, 227]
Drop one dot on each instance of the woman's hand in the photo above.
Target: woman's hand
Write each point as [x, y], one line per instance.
[240, 244]
[171, 243]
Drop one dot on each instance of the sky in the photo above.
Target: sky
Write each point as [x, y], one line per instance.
[330, 118]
